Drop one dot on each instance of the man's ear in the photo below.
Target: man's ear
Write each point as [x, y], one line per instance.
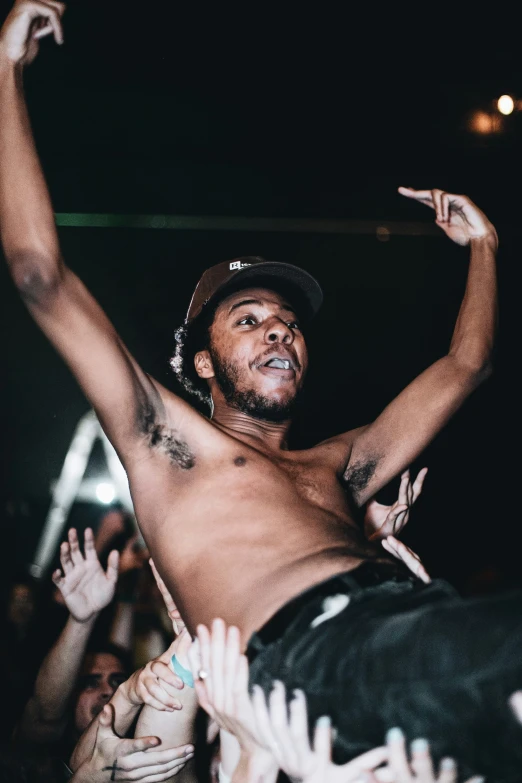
[203, 364]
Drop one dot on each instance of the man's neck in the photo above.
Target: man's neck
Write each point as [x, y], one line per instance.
[271, 435]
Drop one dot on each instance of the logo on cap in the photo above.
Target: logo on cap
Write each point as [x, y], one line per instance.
[238, 264]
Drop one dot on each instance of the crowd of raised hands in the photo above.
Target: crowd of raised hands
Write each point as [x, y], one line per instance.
[259, 734]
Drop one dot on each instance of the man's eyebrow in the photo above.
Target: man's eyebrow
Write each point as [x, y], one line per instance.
[243, 302]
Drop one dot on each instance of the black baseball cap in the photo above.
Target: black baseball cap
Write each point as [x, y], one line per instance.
[230, 276]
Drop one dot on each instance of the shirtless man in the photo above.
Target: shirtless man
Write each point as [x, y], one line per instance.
[239, 525]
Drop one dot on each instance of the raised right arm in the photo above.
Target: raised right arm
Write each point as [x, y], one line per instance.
[125, 398]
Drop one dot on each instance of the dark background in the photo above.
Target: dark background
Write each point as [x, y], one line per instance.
[165, 109]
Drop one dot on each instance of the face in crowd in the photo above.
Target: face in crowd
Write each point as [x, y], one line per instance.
[257, 357]
[21, 605]
[101, 674]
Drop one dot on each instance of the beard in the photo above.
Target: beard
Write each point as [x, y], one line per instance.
[228, 377]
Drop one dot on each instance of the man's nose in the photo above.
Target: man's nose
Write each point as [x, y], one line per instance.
[279, 332]
[106, 691]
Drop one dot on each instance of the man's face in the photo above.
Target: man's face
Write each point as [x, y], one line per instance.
[101, 675]
[21, 605]
[258, 353]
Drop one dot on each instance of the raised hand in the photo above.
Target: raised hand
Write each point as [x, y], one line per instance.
[156, 684]
[383, 521]
[28, 22]
[86, 588]
[457, 216]
[420, 767]
[221, 682]
[285, 730]
[129, 759]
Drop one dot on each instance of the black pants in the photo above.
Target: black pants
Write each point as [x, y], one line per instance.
[403, 654]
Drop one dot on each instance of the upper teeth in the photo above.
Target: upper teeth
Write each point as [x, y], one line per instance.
[280, 364]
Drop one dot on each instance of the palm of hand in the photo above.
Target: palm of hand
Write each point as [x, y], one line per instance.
[86, 589]
[464, 224]
[381, 521]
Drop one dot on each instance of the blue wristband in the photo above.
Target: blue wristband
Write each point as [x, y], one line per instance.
[183, 673]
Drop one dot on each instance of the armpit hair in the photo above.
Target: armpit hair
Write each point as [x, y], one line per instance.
[358, 476]
[163, 438]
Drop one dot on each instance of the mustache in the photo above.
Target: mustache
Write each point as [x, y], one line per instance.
[280, 351]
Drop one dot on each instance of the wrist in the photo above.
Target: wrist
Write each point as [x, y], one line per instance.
[6, 58]
[128, 690]
[487, 240]
[84, 623]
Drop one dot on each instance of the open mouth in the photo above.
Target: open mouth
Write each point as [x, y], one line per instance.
[279, 367]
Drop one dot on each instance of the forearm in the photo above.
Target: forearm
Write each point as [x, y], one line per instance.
[173, 728]
[27, 226]
[125, 712]
[57, 678]
[474, 334]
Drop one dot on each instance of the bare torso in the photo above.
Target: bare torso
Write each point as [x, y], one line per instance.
[242, 530]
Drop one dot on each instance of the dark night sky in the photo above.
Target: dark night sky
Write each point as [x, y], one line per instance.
[177, 110]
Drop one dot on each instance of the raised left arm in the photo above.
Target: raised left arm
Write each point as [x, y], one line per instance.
[379, 451]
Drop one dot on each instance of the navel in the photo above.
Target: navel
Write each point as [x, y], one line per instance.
[240, 461]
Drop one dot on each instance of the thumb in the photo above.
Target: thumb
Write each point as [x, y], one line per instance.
[105, 721]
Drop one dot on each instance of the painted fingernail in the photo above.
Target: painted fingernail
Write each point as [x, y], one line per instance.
[324, 722]
[419, 746]
[394, 735]
[447, 764]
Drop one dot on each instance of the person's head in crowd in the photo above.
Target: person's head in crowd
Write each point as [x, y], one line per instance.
[104, 668]
[20, 604]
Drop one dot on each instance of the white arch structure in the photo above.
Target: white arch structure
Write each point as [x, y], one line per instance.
[67, 488]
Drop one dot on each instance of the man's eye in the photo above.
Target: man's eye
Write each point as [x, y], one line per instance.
[247, 319]
[293, 325]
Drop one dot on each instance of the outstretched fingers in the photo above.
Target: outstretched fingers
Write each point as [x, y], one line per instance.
[88, 545]
[418, 484]
[65, 558]
[424, 196]
[112, 566]
[74, 546]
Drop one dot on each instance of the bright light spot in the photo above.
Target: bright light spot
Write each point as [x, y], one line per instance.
[484, 123]
[505, 104]
[105, 492]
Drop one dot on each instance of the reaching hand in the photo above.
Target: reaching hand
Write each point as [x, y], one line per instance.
[85, 587]
[223, 693]
[410, 559]
[177, 621]
[156, 684]
[129, 759]
[288, 739]
[420, 768]
[383, 521]
[28, 22]
[457, 216]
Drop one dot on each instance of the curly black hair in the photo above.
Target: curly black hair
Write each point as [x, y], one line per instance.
[190, 338]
